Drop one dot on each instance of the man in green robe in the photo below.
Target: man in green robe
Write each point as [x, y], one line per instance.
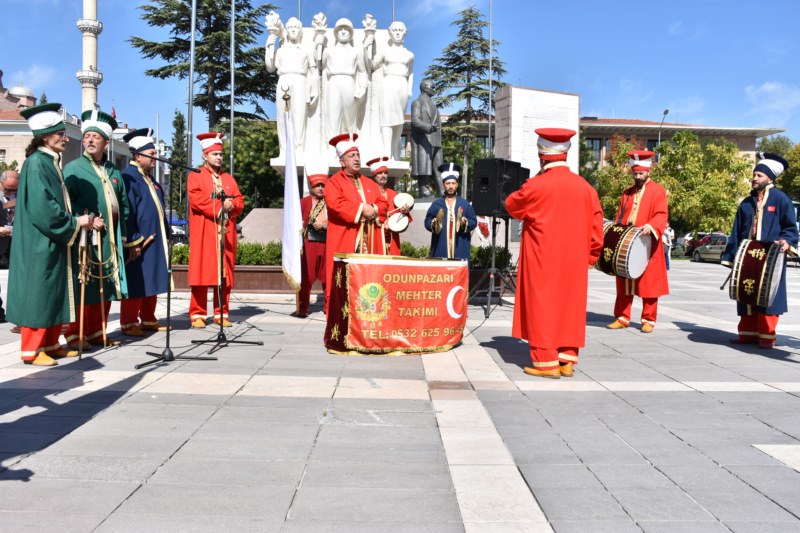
[41, 295]
[96, 187]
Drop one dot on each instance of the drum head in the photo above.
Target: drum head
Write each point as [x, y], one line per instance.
[397, 222]
[639, 255]
[403, 199]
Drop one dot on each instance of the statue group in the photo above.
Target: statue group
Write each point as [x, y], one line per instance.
[348, 80]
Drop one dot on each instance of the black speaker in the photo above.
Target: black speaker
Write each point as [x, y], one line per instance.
[493, 180]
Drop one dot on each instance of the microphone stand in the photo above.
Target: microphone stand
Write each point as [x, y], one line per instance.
[221, 341]
[166, 355]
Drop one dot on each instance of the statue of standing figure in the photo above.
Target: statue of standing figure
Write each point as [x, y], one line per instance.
[297, 75]
[343, 66]
[426, 140]
[397, 84]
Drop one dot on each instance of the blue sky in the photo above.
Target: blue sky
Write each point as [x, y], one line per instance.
[712, 62]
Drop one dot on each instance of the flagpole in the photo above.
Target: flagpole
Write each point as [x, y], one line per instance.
[233, 75]
[191, 100]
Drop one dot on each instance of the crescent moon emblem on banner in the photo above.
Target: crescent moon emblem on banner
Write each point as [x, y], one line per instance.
[450, 297]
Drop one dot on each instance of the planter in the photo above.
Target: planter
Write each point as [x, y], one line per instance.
[250, 278]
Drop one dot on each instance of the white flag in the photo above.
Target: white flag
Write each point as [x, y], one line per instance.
[292, 237]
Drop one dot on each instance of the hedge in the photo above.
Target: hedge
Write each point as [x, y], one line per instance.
[255, 253]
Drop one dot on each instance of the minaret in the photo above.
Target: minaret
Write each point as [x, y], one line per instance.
[89, 76]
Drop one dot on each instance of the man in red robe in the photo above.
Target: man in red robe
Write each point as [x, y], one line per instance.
[351, 200]
[385, 241]
[645, 206]
[315, 225]
[214, 204]
[561, 238]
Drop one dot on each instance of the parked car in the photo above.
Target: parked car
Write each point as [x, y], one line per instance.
[710, 248]
[691, 240]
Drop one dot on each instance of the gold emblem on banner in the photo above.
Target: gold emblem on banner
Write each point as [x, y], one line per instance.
[339, 279]
[618, 229]
[757, 254]
[335, 332]
[608, 253]
[345, 311]
[372, 303]
[749, 285]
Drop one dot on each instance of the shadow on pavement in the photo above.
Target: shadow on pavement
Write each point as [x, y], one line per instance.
[32, 418]
[706, 335]
[511, 350]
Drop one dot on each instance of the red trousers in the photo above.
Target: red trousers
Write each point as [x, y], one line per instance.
[93, 318]
[549, 358]
[133, 309]
[622, 306]
[313, 269]
[758, 327]
[198, 305]
[35, 340]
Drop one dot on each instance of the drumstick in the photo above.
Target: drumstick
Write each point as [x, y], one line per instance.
[730, 274]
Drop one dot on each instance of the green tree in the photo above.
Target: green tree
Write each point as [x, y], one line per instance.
[615, 176]
[460, 77]
[789, 181]
[212, 52]
[776, 144]
[43, 98]
[8, 166]
[177, 191]
[705, 181]
[255, 142]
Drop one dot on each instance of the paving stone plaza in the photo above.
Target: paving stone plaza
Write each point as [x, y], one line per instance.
[672, 431]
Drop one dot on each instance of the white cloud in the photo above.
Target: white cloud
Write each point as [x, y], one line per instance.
[687, 107]
[676, 28]
[36, 77]
[774, 101]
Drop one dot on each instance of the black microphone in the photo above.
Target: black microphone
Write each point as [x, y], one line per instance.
[222, 196]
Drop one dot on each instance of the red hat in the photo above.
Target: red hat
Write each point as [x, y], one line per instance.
[316, 179]
[211, 141]
[378, 164]
[554, 143]
[346, 142]
[641, 160]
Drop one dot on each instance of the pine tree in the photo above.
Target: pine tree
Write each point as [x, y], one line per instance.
[461, 74]
[177, 189]
[212, 52]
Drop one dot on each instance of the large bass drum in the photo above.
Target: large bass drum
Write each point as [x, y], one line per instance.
[626, 251]
[757, 272]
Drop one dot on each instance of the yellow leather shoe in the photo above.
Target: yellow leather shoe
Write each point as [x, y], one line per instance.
[225, 323]
[63, 352]
[647, 328]
[550, 374]
[616, 325]
[198, 323]
[75, 345]
[134, 331]
[566, 370]
[154, 327]
[42, 359]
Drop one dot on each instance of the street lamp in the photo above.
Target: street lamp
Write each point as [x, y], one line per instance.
[666, 111]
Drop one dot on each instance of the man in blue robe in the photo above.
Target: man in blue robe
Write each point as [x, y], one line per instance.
[147, 247]
[766, 215]
[450, 219]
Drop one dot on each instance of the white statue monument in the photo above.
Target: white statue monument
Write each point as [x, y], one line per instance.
[340, 80]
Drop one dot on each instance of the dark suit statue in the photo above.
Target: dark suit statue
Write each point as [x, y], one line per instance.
[426, 140]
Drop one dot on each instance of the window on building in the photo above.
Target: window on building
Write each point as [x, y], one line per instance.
[2, 156]
[595, 146]
[485, 144]
[651, 144]
[403, 142]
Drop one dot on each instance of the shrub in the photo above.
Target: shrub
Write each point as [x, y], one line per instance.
[481, 257]
[409, 250]
[247, 253]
